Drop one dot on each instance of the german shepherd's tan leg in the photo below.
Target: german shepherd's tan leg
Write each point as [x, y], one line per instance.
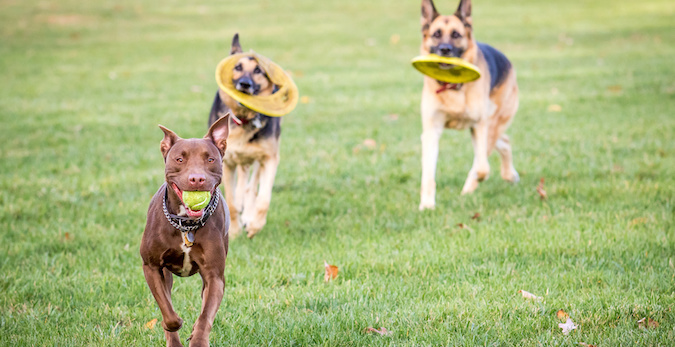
[432, 128]
[251, 193]
[268, 171]
[508, 171]
[230, 187]
[481, 168]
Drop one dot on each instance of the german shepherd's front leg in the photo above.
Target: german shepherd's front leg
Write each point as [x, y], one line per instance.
[229, 182]
[480, 170]
[267, 172]
[432, 128]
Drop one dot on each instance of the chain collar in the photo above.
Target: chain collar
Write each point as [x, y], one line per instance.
[185, 225]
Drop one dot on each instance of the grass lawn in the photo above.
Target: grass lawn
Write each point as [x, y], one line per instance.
[84, 85]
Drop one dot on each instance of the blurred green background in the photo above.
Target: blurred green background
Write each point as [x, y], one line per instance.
[84, 85]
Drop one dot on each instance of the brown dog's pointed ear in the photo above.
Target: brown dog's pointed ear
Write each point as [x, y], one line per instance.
[170, 139]
[464, 11]
[236, 47]
[218, 133]
[429, 13]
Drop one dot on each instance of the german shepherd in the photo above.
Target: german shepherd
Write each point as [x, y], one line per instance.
[485, 106]
[250, 163]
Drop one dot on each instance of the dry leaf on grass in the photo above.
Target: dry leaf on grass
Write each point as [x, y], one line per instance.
[67, 236]
[370, 143]
[554, 108]
[584, 344]
[562, 315]
[382, 331]
[476, 216]
[567, 326]
[528, 295]
[540, 189]
[616, 88]
[151, 324]
[331, 271]
[648, 323]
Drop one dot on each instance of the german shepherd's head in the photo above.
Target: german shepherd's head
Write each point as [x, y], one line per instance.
[248, 76]
[447, 36]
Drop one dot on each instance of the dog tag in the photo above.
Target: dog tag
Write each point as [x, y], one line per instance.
[190, 236]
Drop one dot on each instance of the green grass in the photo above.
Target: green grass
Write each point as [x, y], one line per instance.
[84, 85]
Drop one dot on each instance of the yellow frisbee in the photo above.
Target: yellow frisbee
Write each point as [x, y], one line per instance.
[278, 104]
[446, 69]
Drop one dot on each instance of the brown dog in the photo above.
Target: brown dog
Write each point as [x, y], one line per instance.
[183, 242]
[250, 164]
[485, 106]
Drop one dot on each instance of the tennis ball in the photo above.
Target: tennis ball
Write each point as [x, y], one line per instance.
[196, 200]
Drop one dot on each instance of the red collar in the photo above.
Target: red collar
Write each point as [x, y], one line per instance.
[239, 121]
[448, 86]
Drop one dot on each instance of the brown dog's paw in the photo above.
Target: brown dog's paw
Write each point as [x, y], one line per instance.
[172, 325]
[198, 341]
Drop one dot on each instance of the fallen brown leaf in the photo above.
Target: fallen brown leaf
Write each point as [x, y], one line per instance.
[67, 236]
[382, 331]
[616, 88]
[562, 315]
[151, 324]
[540, 189]
[370, 143]
[648, 323]
[528, 295]
[476, 216]
[331, 271]
[554, 108]
[584, 344]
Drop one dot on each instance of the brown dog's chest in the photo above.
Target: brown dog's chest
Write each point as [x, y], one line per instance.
[180, 261]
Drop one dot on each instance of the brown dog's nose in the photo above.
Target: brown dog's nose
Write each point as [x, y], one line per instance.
[196, 180]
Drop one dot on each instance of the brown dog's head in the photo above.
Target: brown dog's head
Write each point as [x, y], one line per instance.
[248, 76]
[195, 164]
[447, 36]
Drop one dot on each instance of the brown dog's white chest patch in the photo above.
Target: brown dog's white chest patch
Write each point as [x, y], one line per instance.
[187, 263]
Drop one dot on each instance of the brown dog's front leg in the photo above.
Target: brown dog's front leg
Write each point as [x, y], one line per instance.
[212, 295]
[172, 337]
[158, 286]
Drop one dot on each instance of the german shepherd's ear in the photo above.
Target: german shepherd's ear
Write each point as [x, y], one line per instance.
[429, 13]
[236, 47]
[464, 12]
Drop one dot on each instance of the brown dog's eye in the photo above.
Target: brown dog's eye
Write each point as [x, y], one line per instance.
[456, 35]
[437, 34]
[257, 70]
[238, 67]
[211, 160]
[180, 160]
